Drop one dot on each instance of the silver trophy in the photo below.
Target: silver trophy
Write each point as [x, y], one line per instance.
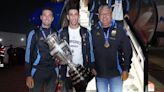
[60, 49]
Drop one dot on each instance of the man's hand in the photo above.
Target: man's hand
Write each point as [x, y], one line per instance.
[124, 75]
[30, 82]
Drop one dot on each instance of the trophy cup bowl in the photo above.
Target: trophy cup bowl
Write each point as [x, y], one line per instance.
[60, 49]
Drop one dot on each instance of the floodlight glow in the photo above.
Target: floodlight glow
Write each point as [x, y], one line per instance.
[1, 39]
[22, 39]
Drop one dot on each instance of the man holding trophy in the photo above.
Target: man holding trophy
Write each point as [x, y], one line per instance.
[78, 39]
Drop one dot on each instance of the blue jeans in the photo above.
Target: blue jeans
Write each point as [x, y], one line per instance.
[104, 84]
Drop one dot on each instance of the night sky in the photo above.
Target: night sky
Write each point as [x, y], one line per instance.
[14, 14]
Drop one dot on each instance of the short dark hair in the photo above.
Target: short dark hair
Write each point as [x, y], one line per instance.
[70, 8]
[72, 4]
[47, 8]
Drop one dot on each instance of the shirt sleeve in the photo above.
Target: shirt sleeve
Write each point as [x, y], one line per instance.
[126, 50]
[91, 47]
[28, 56]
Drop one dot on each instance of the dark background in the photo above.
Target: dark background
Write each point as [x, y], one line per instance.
[14, 14]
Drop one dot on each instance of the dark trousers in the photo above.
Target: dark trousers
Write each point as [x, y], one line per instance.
[45, 80]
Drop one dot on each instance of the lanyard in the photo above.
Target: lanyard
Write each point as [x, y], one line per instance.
[43, 33]
[106, 35]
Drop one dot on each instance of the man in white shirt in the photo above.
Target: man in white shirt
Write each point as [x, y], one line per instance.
[79, 40]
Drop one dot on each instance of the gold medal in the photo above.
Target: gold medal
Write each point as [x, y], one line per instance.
[107, 45]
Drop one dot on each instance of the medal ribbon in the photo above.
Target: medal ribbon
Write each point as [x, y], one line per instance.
[43, 33]
[106, 36]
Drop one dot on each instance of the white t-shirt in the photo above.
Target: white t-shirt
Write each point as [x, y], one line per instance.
[75, 44]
